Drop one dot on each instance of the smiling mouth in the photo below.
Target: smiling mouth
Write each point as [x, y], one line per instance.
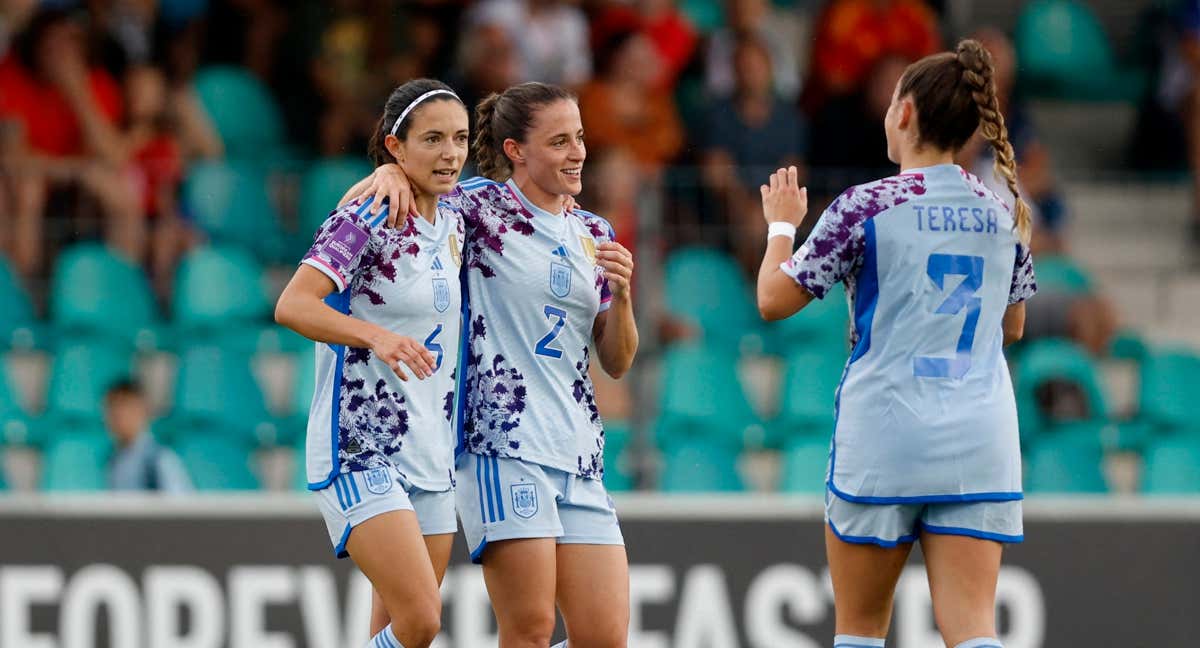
[446, 174]
[573, 173]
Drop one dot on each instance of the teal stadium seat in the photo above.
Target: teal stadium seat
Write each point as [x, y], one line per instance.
[14, 422]
[216, 388]
[698, 466]
[804, 466]
[77, 460]
[1069, 463]
[216, 462]
[1172, 466]
[321, 188]
[823, 324]
[218, 292]
[1053, 359]
[1060, 274]
[18, 325]
[806, 401]
[80, 374]
[1169, 397]
[95, 293]
[1063, 52]
[700, 393]
[708, 290]
[229, 201]
[243, 111]
[619, 474]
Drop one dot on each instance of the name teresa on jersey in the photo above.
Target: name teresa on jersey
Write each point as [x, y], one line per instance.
[932, 218]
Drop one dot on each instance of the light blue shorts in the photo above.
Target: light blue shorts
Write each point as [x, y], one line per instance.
[505, 499]
[354, 498]
[888, 525]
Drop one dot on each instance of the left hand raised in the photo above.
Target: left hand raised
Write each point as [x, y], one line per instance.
[617, 263]
[783, 199]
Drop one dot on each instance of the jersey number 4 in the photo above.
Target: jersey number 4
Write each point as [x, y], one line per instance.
[543, 347]
[963, 297]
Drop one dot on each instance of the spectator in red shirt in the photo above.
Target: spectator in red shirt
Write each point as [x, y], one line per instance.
[65, 114]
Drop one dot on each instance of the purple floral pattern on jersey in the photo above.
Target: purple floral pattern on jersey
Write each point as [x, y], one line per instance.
[1024, 282]
[591, 466]
[834, 251]
[372, 423]
[448, 399]
[981, 189]
[490, 212]
[496, 398]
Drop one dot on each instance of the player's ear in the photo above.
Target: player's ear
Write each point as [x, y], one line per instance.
[512, 149]
[394, 146]
[908, 112]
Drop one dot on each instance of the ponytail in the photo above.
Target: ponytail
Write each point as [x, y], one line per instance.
[508, 115]
[489, 156]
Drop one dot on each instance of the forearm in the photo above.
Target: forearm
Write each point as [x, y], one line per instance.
[772, 282]
[617, 342]
[314, 319]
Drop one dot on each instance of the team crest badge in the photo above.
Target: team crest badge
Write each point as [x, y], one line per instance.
[589, 247]
[379, 481]
[455, 250]
[441, 294]
[560, 279]
[524, 500]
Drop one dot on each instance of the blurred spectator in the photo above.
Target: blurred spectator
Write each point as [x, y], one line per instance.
[662, 22]
[487, 62]
[749, 134]
[623, 108]
[246, 33]
[775, 28]
[139, 463]
[853, 36]
[13, 15]
[552, 36]
[67, 112]
[611, 186]
[1179, 92]
[847, 133]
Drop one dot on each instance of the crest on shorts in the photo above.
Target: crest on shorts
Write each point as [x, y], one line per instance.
[524, 500]
[560, 279]
[379, 480]
[589, 247]
[441, 294]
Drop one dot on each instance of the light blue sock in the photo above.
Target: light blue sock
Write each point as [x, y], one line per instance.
[385, 639]
[981, 642]
[559, 645]
[850, 641]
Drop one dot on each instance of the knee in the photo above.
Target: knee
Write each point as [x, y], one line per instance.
[419, 624]
[531, 627]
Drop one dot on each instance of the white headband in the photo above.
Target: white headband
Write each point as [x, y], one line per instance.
[416, 102]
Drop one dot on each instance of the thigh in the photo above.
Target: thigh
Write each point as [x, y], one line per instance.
[520, 579]
[962, 581]
[864, 583]
[593, 594]
[390, 551]
[439, 547]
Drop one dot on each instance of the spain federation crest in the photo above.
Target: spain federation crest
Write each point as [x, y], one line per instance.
[441, 294]
[560, 279]
[524, 500]
[379, 481]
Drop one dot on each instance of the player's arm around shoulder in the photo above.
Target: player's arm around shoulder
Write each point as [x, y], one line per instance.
[785, 204]
[615, 329]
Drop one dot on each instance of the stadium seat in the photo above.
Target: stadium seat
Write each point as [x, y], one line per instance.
[14, 423]
[804, 466]
[707, 288]
[96, 293]
[216, 462]
[80, 374]
[1051, 359]
[77, 460]
[323, 184]
[1064, 53]
[1061, 274]
[229, 202]
[823, 324]
[806, 403]
[1172, 466]
[216, 387]
[219, 290]
[1066, 463]
[18, 325]
[242, 110]
[700, 393]
[699, 466]
[1170, 389]
[619, 474]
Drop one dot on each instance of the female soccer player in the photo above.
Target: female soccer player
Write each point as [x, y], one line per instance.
[384, 303]
[543, 283]
[925, 446]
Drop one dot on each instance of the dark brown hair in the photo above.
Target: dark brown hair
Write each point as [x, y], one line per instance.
[400, 99]
[508, 115]
[955, 94]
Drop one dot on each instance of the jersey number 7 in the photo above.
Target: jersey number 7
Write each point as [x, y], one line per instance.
[971, 269]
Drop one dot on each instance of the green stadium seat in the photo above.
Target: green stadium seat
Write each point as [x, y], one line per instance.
[619, 473]
[1172, 466]
[1053, 359]
[700, 393]
[77, 460]
[806, 402]
[1066, 463]
[229, 201]
[1064, 53]
[96, 293]
[1169, 397]
[698, 466]
[14, 422]
[216, 462]
[216, 387]
[18, 325]
[299, 468]
[219, 290]
[80, 374]
[707, 289]
[804, 466]
[1061, 274]
[321, 188]
[243, 111]
[823, 324]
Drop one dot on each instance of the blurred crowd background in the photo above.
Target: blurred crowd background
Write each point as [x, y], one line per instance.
[164, 164]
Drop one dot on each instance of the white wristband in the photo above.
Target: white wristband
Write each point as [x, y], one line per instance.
[781, 229]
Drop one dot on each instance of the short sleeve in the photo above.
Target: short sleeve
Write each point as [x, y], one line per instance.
[832, 252]
[1024, 282]
[608, 235]
[338, 247]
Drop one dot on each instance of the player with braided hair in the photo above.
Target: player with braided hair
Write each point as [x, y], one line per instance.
[925, 443]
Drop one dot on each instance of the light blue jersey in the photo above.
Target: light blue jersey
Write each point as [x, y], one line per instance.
[363, 417]
[925, 410]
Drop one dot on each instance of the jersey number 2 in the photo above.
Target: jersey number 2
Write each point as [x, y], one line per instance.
[963, 297]
[434, 347]
[543, 347]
